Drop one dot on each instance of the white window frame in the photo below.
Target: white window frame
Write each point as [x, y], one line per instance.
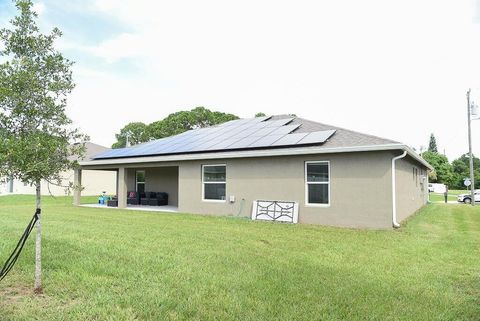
[136, 179]
[323, 183]
[203, 183]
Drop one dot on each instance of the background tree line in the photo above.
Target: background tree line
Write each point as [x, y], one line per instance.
[173, 124]
[452, 174]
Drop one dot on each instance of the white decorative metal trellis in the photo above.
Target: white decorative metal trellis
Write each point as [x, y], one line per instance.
[281, 211]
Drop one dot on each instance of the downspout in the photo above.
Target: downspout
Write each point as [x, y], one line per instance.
[394, 191]
[427, 182]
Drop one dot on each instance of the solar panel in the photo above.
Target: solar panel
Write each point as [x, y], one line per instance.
[283, 130]
[249, 132]
[207, 145]
[317, 137]
[266, 141]
[236, 122]
[279, 122]
[228, 133]
[145, 148]
[228, 123]
[223, 144]
[168, 148]
[245, 142]
[290, 139]
[237, 134]
[263, 131]
[183, 147]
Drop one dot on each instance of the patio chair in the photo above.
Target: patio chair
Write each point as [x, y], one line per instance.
[132, 198]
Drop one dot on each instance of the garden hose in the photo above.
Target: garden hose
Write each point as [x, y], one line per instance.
[242, 202]
[7, 267]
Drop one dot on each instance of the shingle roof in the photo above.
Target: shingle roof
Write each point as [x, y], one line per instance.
[342, 138]
[91, 150]
[294, 136]
[248, 134]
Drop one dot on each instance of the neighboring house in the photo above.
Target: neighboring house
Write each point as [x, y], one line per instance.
[98, 181]
[337, 176]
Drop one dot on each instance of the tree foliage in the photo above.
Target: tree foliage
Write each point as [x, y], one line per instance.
[461, 169]
[443, 171]
[136, 132]
[260, 114]
[182, 121]
[35, 133]
[432, 145]
[452, 174]
[173, 124]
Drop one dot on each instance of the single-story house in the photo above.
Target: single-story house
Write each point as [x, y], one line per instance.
[262, 167]
[96, 181]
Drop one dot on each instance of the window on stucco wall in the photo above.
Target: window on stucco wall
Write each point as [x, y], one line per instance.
[317, 183]
[214, 181]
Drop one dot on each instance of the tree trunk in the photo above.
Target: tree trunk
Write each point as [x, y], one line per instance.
[38, 245]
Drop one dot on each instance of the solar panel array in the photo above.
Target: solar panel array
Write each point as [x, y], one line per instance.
[259, 132]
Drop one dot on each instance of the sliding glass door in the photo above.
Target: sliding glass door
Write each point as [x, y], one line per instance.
[140, 181]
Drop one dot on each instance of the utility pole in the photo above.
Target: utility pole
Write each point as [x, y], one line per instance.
[472, 178]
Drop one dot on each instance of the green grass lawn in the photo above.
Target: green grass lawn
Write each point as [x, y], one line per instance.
[102, 264]
[452, 195]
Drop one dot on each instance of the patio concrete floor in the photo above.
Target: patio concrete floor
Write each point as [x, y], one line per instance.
[165, 208]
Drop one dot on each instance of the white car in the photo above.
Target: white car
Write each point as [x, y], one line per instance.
[467, 198]
[437, 188]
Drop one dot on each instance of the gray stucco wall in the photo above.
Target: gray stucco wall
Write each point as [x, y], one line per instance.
[360, 187]
[163, 179]
[412, 192]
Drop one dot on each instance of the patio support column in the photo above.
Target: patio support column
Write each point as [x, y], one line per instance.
[77, 186]
[122, 187]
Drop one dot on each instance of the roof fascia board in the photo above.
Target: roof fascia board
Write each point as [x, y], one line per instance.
[417, 157]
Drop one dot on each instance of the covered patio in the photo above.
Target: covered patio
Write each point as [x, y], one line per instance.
[145, 208]
[143, 188]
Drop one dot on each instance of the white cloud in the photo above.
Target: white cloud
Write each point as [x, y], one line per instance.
[124, 45]
[39, 8]
[393, 69]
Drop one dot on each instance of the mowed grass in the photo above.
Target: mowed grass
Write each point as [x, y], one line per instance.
[452, 195]
[102, 264]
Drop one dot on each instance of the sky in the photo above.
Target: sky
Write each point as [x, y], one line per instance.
[395, 69]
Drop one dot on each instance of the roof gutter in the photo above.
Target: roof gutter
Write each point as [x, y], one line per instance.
[394, 190]
[255, 153]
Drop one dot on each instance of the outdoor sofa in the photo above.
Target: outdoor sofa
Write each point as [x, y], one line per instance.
[147, 198]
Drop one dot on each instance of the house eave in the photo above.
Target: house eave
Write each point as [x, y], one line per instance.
[254, 153]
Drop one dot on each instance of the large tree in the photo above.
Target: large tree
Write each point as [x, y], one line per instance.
[36, 135]
[134, 133]
[432, 145]
[173, 124]
[182, 121]
[461, 169]
[443, 172]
